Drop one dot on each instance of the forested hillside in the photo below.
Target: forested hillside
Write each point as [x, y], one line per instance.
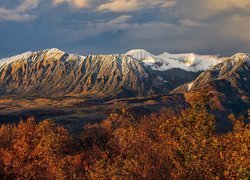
[159, 146]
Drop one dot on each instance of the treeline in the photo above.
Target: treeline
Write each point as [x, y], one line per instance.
[160, 146]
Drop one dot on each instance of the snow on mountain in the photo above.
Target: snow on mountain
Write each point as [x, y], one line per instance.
[53, 53]
[6, 61]
[234, 70]
[228, 82]
[54, 73]
[189, 62]
[143, 55]
[241, 57]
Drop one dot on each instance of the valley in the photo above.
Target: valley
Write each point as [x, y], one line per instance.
[124, 90]
[75, 90]
[75, 113]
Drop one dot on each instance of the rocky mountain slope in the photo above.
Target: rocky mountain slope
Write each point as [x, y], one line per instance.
[53, 73]
[229, 81]
[54, 84]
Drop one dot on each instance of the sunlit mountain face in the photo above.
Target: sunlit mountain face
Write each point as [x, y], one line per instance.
[54, 73]
[124, 89]
[108, 80]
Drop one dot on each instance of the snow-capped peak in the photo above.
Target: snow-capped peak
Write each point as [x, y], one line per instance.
[55, 51]
[241, 56]
[11, 59]
[189, 61]
[142, 55]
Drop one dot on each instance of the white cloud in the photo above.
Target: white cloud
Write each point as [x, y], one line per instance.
[98, 27]
[204, 9]
[113, 25]
[191, 23]
[222, 5]
[77, 4]
[19, 13]
[134, 5]
[27, 5]
[12, 15]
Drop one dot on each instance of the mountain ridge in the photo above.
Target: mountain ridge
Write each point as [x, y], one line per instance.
[228, 81]
[56, 73]
[165, 61]
[53, 72]
[139, 54]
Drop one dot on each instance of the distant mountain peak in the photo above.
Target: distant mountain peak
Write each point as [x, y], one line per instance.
[50, 54]
[138, 51]
[11, 59]
[241, 56]
[142, 55]
[53, 73]
[234, 69]
[54, 51]
[188, 61]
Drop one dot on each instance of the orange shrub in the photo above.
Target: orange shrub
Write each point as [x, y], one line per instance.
[160, 146]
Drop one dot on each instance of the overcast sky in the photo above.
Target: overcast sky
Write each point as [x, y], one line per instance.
[116, 26]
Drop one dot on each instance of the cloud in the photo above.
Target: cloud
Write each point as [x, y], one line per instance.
[113, 25]
[222, 5]
[220, 36]
[204, 9]
[237, 27]
[134, 5]
[191, 23]
[94, 28]
[77, 4]
[20, 12]
[212, 26]
[27, 5]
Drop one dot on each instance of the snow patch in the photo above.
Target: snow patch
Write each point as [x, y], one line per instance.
[55, 51]
[189, 62]
[190, 85]
[142, 55]
[6, 61]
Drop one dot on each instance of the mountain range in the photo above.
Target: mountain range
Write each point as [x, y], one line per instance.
[73, 89]
[188, 62]
[229, 82]
[54, 73]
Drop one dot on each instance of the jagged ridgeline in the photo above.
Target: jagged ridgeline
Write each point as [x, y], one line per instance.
[53, 73]
[233, 71]
[229, 81]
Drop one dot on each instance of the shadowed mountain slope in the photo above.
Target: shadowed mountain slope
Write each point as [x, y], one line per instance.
[229, 81]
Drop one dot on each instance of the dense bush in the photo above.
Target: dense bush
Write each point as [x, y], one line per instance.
[161, 146]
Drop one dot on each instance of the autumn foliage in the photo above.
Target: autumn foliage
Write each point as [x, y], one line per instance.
[160, 146]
